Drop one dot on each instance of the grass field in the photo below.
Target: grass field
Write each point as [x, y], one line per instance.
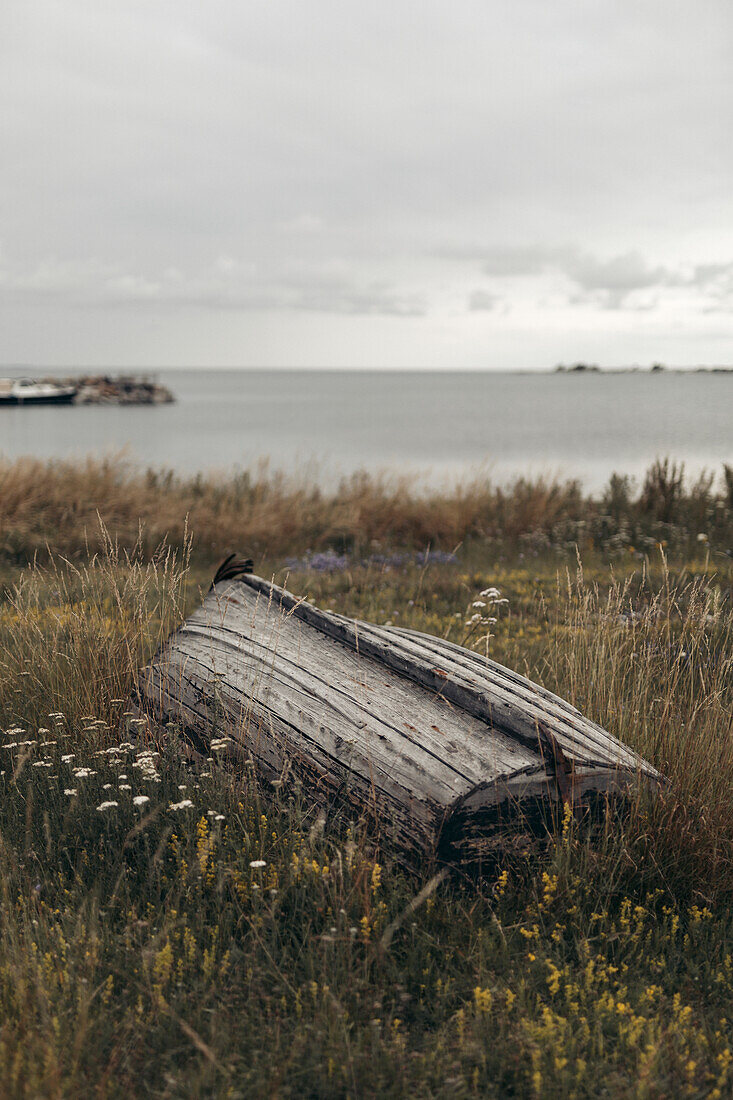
[171, 930]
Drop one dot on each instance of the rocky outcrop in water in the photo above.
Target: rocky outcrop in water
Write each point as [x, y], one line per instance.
[121, 389]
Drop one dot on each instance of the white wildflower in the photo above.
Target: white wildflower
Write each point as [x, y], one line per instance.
[70, 791]
[145, 762]
[107, 805]
[140, 800]
[258, 863]
[186, 804]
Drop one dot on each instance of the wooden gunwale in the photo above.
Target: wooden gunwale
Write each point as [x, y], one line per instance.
[505, 697]
[366, 639]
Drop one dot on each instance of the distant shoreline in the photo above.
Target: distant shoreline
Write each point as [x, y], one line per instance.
[25, 369]
[655, 369]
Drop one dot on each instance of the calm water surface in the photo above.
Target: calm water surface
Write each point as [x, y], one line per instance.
[324, 422]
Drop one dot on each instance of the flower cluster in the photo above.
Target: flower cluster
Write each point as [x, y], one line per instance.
[482, 612]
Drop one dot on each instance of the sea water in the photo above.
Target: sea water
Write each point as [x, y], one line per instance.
[322, 424]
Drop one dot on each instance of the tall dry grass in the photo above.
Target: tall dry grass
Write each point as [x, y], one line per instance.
[653, 662]
[72, 637]
[58, 505]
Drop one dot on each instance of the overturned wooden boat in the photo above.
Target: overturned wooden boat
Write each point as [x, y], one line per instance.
[439, 746]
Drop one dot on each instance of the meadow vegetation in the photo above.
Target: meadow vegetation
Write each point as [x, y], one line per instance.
[57, 504]
[171, 929]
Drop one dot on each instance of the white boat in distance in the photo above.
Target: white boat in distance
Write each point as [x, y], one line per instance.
[27, 392]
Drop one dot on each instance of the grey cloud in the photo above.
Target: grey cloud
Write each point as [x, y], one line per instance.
[623, 272]
[480, 301]
[619, 274]
[708, 273]
[372, 300]
[610, 282]
[526, 260]
[227, 284]
[715, 279]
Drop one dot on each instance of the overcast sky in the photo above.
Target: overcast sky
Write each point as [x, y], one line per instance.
[400, 183]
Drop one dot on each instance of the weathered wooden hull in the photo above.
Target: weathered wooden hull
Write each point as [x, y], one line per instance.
[438, 745]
